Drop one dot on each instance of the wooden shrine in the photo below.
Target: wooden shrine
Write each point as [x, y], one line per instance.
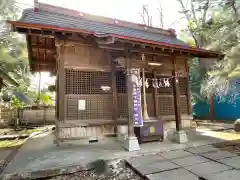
[92, 58]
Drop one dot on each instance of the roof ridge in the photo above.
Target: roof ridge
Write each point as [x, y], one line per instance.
[107, 20]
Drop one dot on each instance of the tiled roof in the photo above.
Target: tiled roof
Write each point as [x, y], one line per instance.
[44, 17]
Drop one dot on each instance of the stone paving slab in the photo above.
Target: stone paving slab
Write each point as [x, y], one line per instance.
[218, 155]
[148, 159]
[145, 169]
[189, 160]
[201, 149]
[207, 168]
[176, 174]
[225, 175]
[175, 154]
[233, 162]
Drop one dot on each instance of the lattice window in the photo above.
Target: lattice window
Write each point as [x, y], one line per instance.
[81, 82]
[121, 82]
[165, 106]
[183, 85]
[97, 107]
[122, 105]
[183, 105]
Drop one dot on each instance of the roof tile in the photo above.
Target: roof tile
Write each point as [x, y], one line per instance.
[65, 21]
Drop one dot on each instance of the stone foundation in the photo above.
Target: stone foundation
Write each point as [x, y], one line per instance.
[169, 124]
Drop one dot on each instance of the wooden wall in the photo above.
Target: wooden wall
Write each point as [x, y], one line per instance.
[85, 57]
[88, 68]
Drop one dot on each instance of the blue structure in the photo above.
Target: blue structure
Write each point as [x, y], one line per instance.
[223, 110]
[226, 108]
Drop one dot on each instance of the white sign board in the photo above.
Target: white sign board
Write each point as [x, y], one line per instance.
[81, 104]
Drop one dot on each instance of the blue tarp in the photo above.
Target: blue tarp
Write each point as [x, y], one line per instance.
[223, 110]
[226, 108]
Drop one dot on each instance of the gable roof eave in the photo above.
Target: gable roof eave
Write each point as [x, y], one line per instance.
[74, 30]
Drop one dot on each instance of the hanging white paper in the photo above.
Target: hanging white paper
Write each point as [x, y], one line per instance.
[146, 83]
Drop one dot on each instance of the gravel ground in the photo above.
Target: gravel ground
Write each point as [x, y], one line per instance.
[116, 171]
[231, 146]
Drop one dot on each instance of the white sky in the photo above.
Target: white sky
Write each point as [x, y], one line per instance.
[127, 10]
[122, 9]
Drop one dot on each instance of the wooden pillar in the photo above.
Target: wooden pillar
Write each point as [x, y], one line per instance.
[155, 97]
[176, 96]
[39, 86]
[145, 112]
[114, 95]
[189, 99]
[129, 97]
[61, 89]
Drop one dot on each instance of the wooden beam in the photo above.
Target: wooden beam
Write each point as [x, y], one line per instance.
[43, 68]
[151, 51]
[157, 51]
[189, 99]
[43, 62]
[28, 39]
[176, 96]
[61, 81]
[114, 94]
[42, 35]
[45, 48]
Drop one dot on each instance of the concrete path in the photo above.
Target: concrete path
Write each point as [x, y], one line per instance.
[39, 154]
[193, 163]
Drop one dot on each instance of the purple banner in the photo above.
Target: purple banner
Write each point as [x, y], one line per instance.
[136, 95]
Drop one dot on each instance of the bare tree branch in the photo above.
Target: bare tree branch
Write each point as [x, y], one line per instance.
[160, 10]
[205, 9]
[146, 18]
[194, 12]
[188, 17]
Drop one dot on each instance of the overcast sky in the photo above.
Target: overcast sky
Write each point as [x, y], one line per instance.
[122, 9]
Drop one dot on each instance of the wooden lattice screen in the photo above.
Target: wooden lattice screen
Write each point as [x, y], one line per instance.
[122, 94]
[165, 98]
[93, 87]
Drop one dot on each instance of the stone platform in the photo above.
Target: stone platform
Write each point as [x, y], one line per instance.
[193, 163]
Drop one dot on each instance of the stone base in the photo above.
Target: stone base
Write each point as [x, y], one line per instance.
[122, 131]
[180, 137]
[131, 144]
